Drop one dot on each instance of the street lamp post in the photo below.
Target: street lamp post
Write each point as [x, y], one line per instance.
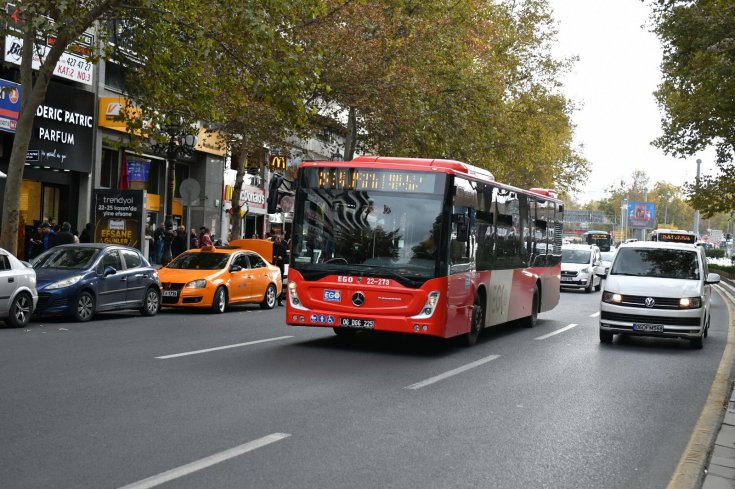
[180, 143]
[696, 212]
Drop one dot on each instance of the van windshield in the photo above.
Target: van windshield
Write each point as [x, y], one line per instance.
[575, 256]
[660, 263]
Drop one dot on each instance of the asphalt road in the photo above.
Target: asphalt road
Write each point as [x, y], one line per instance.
[113, 402]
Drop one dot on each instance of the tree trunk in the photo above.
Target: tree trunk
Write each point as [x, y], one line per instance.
[238, 164]
[351, 138]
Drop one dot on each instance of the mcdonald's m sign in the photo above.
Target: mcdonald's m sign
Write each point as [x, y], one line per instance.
[276, 162]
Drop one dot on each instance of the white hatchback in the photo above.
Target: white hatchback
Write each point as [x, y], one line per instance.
[580, 267]
[18, 296]
[657, 289]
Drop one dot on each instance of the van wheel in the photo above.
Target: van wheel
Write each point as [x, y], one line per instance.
[696, 343]
[706, 327]
[588, 289]
[598, 286]
[606, 336]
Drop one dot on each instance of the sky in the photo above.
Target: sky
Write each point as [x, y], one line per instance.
[613, 84]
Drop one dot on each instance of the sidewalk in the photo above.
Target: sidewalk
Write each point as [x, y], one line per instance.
[720, 469]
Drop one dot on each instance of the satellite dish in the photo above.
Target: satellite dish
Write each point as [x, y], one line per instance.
[189, 190]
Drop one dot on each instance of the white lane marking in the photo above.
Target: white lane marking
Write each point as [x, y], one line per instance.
[187, 353]
[595, 314]
[205, 462]
[565, 328]
[450, 373]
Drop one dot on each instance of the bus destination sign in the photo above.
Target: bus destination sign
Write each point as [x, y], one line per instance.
[677, 238]
[377, 180]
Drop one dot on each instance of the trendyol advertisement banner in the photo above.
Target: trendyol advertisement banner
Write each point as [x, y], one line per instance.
[119, 217]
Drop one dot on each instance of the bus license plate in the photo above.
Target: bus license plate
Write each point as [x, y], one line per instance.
[649, 328]
[357, 323]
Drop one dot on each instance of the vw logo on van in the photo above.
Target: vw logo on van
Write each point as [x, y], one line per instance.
[358, 298]
[650, 302]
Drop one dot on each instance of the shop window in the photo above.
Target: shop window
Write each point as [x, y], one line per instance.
[114, 76]
[30, 201]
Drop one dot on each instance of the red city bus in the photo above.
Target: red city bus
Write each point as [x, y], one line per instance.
[431, 247]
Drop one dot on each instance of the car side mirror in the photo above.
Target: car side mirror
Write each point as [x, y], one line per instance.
[712, 278]
[235, 268]
[109, 271]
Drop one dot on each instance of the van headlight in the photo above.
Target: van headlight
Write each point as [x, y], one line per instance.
[612, 297]
[690, 302]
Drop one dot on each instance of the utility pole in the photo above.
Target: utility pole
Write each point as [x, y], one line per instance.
[696, 213]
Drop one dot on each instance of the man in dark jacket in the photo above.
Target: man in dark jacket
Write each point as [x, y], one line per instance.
[65, 236]
[280, 259]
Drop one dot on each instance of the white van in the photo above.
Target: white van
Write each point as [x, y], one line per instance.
[580, 267]
[658, 288]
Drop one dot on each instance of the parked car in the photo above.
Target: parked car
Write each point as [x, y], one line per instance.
[79, 280]
[658, 289]
[213, 278]
[580, 267]
[18, 296]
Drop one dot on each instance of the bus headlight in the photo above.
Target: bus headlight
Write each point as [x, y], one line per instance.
[431, 301]
[293, 296]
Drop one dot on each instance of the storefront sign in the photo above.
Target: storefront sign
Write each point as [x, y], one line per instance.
[70, 66]
[119, 217]
[113, 110]
[63, 129]
[9, 105]
[212, 142]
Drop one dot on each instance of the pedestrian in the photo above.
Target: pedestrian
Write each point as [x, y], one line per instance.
[47, 237]
[205, 239]
[87, 235]
[35, 243]
[158, 242]
[178, 245]
[280, 259]
[64, 236]
[193, 239]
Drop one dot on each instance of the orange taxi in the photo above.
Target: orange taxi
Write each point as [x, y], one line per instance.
[216, 277]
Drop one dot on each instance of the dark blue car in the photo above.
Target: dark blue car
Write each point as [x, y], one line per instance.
[79, 280]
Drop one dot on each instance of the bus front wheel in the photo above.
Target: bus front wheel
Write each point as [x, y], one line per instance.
[478, 318]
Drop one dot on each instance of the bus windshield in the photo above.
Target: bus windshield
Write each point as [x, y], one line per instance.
[383, 232]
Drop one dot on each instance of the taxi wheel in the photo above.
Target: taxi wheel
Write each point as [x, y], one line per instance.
[270, 297]
[20, 310]
[219, 304]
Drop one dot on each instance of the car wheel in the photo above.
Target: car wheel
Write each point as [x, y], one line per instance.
[532, 320]
[219, 304]
[20, 310]
[270, 297]
[588, 289]
[151, 303]
[84, 309]
[696, 343]
[606, 336]
[478, 318]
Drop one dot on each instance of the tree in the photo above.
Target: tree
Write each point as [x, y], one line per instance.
[35, 22]
[466, 80]
[697, 91]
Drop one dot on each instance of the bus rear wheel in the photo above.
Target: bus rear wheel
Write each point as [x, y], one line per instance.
[532, 320]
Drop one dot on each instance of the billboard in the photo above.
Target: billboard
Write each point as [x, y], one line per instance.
[119, 217]
[641, 215]
[9, 105]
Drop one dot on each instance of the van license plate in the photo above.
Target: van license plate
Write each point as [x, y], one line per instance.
[649, 328]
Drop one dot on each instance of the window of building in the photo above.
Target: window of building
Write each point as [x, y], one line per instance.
[109, 168]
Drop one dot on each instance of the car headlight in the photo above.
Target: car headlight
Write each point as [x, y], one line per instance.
[612, 297]
[197, 284]
[64, 283]
[690, 302]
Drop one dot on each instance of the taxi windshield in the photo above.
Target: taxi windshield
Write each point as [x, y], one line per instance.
[200, 261]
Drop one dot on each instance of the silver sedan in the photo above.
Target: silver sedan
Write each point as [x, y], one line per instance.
[18, 296]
